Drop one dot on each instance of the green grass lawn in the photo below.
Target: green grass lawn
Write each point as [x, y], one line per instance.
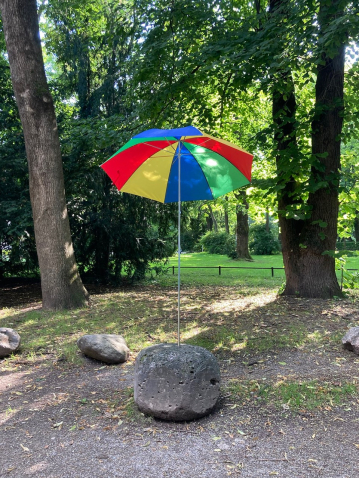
[203, 269]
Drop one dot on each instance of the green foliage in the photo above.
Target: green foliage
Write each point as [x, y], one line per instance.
[117, 68]
[216, 242]
[263, 241]
[17, 243]
[349, 279]
[116, 236]
[231, 247]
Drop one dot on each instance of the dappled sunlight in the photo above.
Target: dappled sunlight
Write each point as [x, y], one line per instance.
[242, 303]
[191, 332]
[16, 381]
[239, 346]
[222, 319]
[37, 468]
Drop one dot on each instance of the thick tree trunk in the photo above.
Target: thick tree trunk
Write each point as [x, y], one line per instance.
[306, 238]
[311, 272]
[60, 281]
[242, 228]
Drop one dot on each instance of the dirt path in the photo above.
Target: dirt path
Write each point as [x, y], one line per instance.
[74, 422]
[62, 421]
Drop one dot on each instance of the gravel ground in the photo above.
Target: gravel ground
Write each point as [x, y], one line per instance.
[58, 420]
[61, 421]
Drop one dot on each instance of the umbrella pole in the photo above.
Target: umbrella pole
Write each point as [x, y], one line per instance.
[179, 244]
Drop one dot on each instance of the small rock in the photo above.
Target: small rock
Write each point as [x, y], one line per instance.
[9, 341]
[109, 348]
[350, 340]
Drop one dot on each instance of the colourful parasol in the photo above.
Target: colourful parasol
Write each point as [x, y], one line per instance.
[148, 165]
[177, 165]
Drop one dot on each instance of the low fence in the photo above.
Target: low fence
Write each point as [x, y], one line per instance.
[220, 268]
[272, 269]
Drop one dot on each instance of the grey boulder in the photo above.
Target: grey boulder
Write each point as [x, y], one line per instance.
[9, 341]
[109, 348]
[350, 340]
[176, 382]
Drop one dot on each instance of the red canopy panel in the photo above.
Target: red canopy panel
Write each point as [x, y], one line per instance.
[239, 158]
[121, 167]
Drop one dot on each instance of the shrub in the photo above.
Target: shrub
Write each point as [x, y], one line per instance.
[215, 242]
[188, 241]
[231, 248]
[261, 241]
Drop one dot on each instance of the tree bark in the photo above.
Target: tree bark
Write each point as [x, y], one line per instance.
[356, 227]
[61, 284]
[214, 221]
[242, 228]
[306, 238]
[226, 219]
[267, 221]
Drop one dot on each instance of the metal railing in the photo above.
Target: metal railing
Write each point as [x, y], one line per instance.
[272, 269]
[220, 268]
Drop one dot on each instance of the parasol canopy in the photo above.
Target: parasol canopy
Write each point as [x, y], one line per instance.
[147, 165]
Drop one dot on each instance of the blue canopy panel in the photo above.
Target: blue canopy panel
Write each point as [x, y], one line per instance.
[177, 132]
[194, 185]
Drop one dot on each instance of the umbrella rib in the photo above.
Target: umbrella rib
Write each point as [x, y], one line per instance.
[162, 149]
[201, 144]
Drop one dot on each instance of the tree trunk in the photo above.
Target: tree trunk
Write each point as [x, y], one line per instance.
[60, 281]
[209, 222]
[214, 221]
[306, 238]
[267, 221]
[226, 220]
[242, 227]
[356, 227]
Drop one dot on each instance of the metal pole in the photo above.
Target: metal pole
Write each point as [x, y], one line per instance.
[179, 242]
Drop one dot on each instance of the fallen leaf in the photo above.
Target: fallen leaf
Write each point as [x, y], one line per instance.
[57, 425]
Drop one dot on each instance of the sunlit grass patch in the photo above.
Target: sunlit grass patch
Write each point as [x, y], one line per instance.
[289, 395]
[313, 394]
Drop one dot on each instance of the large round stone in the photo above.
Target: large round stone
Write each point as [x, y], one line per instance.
[176, 382]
